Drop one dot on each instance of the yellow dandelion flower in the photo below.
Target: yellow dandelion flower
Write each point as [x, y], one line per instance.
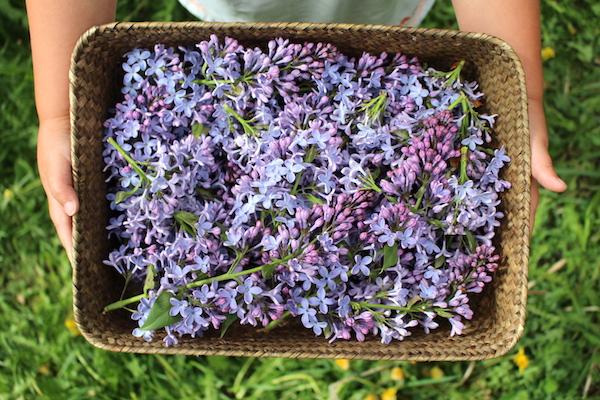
[371, 396]
[397, 374]
[44, 369]
[8, 194]
[548, 53]
[389, 394]
[72, 326]
[436, 373]
[521, 359]
[343, 364]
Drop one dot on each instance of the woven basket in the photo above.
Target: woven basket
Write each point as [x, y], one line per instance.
[499, 312]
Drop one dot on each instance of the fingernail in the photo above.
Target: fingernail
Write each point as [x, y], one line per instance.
[70, 208]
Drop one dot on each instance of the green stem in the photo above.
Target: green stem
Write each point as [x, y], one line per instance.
[364, 304]
[239, 256]
[456, 102]
[214, 82]
[464, 159]
[375, 107]
[370, 184]
[130, 160]
[421, 193]
[248, 130]
[230, 275]
[122, 303]
[309, 157]
[227, 276]
[454, 75]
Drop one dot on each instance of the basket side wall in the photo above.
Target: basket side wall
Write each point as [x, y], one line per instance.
[95, 70]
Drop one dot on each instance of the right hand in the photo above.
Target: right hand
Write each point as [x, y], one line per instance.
[542, 170]
[54, 165]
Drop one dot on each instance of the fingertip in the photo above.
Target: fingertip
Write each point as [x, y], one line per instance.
[553, 183]
[70, 208]
[557, 185]
[561, 186]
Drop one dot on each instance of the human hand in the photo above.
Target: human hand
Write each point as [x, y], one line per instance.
[542, 169]
[54, 165]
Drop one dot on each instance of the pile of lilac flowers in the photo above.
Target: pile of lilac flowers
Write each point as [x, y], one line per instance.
[252, 186]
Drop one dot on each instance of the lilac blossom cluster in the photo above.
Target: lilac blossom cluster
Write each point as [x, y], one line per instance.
[251, 185]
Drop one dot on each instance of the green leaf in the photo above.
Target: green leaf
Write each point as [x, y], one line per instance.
[186, 217]
[550, 386]
[443, 313]
[230, 319]
[313, 199]
[391, 199]
[414, 301]
[440, 261]
[311, 154]
[124, 195]
[390, 255]
[187, 221]
[268, 270]
[375, 174]
[436, 222]
[199, 129]
[205, 194]
[159, 316]
[149, 283]
[471, 240]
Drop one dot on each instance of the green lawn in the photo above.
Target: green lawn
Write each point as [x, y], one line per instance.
[42, 357]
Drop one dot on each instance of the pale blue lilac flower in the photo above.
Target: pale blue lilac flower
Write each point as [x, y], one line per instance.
[472, 142]
[361, 264]
[248, 290]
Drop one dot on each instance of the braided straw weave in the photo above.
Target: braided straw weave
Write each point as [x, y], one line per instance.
[499, 312]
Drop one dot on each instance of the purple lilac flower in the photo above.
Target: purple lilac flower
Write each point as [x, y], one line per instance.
[332, 180]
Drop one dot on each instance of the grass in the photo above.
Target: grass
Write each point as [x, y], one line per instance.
[43, 357]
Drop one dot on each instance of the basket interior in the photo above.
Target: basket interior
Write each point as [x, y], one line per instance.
[499, 310]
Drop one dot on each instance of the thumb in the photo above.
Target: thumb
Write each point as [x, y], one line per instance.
[58, 184]
[59, 188]
[62, 198]
[54, 165]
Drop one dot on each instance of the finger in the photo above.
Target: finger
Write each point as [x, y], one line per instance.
[63, 224]
[543, 169]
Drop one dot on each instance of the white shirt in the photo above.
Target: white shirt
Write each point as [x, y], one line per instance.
[386, 12]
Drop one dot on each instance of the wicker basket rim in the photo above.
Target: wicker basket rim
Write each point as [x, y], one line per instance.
[151, 26]
[108, 30]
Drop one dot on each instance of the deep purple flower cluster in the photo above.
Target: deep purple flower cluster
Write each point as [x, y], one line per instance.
[253, 185]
